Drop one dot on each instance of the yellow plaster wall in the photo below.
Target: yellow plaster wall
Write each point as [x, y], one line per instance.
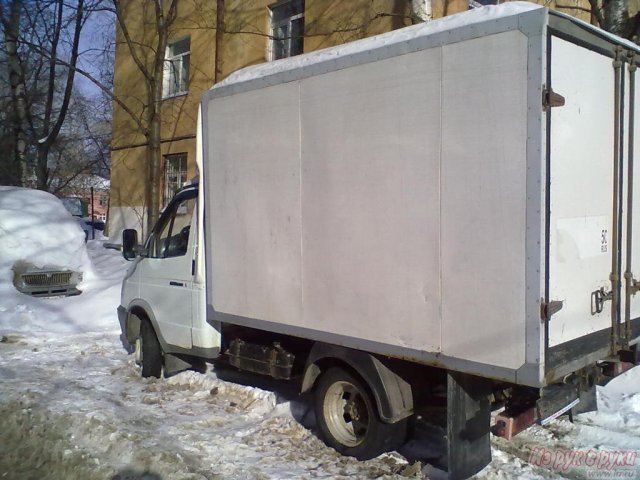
[196, 19]
[128, 173]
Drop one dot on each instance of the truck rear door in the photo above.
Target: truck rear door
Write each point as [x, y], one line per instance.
[586, 201]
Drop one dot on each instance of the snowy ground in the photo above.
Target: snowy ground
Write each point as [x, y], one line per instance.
[73, 406]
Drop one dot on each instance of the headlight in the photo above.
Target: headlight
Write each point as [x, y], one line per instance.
[18, 280]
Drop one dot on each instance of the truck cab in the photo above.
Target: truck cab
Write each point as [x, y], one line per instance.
[164, 287]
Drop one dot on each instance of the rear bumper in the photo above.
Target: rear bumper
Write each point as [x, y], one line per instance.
[576, 354]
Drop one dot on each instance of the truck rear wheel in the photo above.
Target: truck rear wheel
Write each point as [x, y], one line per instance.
[151, 358]
[348, 419]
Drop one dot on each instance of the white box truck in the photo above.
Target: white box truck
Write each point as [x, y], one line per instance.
[444, 211]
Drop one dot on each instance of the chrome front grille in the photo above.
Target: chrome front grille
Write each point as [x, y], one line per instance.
[46, 279]
[45, 282]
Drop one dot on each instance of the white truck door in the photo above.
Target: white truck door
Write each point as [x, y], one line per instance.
[166, 279]
[581, 190]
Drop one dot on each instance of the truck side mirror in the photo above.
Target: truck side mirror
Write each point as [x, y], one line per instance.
[129, 243]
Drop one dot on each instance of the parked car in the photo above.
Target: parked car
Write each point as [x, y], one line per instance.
[42, 246]
[97, 224]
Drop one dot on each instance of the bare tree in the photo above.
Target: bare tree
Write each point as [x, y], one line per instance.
[53, 119]
[38, 34]
[611, 15]
[81, 149]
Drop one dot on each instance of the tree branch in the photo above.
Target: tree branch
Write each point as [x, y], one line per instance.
[71, 71]
[98, 84]
[125, 31]
[57, 26]
[574, 7]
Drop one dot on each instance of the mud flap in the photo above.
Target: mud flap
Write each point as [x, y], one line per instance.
[468, 424]
[174, 364]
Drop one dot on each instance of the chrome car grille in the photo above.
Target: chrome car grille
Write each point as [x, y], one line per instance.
[45, 282]
[46, 279]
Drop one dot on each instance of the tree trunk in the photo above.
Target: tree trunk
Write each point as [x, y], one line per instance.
[18, 96]
[616, 17]
[154, 157]
[42, 169]
[154, 152]
[164, 20]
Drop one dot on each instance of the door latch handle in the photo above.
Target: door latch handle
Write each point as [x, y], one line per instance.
[176, 284]
[598, 298]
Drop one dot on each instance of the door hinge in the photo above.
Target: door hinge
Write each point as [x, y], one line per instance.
[551, 99]
[547, 310]
[598, 297]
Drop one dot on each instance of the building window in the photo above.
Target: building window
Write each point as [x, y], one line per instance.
[175, 174]
[176, 68]
[102, 200]
[481, 3]
[287, 29]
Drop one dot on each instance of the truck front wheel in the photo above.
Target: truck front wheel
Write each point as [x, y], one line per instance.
[348, 419]
[151, 351]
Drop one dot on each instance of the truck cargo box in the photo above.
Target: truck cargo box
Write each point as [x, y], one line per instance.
[455, 193]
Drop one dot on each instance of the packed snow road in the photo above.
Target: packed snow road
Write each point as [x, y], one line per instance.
[73, 406]
[82, 411]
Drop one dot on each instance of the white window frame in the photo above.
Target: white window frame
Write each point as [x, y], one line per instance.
[288, 22]
[174, 64]
[172, 185]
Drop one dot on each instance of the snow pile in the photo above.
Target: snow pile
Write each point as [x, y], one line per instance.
[618, 408]
[92, 311]
[36, 228]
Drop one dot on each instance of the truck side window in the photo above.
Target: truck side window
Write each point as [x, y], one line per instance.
[172, 238]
